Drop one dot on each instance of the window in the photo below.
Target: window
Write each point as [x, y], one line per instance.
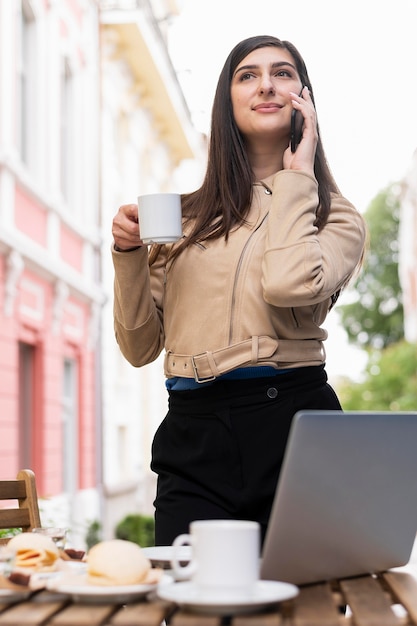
[70, 426]
[26, 403]
[67, 131]
[25, 82]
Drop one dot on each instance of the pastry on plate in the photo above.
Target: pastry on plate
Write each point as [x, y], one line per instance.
[34, 553]
[119, 562]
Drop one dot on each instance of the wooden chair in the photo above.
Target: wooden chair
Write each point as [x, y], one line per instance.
[26, 515]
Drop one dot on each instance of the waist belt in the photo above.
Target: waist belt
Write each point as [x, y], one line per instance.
[207, 366]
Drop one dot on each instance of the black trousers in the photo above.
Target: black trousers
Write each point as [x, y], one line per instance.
[219, 450]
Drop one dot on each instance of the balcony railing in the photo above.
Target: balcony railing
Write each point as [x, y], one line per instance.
[120, 5]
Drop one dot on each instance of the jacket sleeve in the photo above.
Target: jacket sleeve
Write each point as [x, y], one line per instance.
[138, 306]
[302, 266]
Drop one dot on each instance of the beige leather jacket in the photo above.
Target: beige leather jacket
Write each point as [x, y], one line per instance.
[259, 299]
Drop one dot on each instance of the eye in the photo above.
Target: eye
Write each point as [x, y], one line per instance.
[283, 74]
[246, 76]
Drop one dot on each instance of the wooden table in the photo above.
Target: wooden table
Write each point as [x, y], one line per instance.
[385, 600]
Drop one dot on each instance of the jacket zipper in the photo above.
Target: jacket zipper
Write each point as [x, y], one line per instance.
[296, 324]
[239, 266]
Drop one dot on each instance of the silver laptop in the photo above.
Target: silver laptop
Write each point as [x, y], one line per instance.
[346, 500]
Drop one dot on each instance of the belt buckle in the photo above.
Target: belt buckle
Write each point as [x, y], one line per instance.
[197, 378]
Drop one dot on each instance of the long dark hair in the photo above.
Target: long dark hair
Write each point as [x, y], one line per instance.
[224, 198]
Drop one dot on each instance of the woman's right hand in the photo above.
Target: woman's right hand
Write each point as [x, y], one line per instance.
[125, 229]
[304, 156]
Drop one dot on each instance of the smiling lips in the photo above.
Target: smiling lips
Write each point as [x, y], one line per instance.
[267, 107]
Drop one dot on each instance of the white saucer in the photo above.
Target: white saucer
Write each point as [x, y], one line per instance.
[264, 593]
[160, 556]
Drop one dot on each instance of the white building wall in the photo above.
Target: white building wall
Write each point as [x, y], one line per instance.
[136, 158]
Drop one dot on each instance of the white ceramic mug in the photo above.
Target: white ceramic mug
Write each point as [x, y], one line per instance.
[160, 217]
[224, 555]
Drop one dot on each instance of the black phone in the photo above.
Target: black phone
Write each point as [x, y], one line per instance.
[297, 121]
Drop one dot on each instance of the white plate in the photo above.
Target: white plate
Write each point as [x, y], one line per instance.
[162, 555]
[75, 567]
[81, 591]
[264, 593]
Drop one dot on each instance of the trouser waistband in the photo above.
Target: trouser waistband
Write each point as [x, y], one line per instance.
[246, 391]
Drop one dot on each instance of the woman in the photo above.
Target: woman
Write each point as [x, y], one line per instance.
[238, 303]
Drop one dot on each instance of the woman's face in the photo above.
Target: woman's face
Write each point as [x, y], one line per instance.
[260, 95]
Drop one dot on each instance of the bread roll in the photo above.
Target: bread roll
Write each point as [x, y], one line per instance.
[34, 552]
[117, 562]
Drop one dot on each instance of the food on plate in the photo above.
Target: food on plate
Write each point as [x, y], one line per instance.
[9, 584]
[34, 552]
[18, 578]
[69, 554]
[118, 562]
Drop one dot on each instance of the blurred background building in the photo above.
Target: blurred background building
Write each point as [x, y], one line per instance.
[148, 144]
[50, 250]
[91, 115]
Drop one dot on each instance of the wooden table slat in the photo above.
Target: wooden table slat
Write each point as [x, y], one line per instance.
[83, 615]
[315, 606]
[29, 613]
[258, 619]
[404, 588]
[142, 614]
[187, 618]
[368, 602]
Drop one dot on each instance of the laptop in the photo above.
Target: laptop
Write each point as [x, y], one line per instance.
[346, 499]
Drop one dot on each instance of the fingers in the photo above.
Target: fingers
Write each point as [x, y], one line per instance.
[304, 155]
[125, 229]
[131, 211]
[304, 104]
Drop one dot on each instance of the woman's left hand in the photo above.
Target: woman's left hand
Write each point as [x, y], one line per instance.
[303, 157]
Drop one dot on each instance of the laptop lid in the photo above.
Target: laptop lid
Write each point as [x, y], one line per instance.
[346, 500]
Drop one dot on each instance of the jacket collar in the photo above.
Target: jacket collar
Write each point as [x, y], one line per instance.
[266, 183]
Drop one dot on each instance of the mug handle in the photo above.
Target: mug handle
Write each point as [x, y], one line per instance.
[181, 571]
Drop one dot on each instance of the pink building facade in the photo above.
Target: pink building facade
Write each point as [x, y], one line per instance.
[50, 290]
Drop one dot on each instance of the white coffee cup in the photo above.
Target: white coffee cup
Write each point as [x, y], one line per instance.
[224, 556]
[160, 217]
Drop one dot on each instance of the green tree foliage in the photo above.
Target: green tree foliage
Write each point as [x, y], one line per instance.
[376, 319]
[93, 535]
[390, 382]
[137, 528]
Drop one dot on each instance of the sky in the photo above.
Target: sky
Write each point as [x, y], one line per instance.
[361, 58]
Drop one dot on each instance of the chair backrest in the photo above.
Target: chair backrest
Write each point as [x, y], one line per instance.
[25, 514]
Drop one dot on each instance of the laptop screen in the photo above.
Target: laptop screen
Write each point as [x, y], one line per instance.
[346, 499]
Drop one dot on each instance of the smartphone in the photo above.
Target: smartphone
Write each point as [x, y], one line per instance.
[297, 122]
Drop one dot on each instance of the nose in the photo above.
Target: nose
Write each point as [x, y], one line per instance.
[266, 85]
